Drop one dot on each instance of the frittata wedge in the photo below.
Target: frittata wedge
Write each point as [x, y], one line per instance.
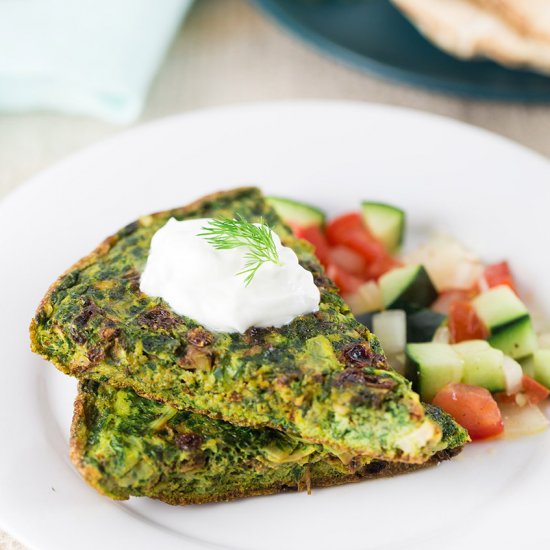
[125, 445]
[323, 377]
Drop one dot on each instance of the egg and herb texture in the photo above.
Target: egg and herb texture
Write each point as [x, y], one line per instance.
[125, 445]
[320, 378]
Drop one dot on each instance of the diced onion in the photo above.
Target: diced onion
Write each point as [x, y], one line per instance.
[391, 328]
[519, 421]
[465, 275]
[372, 296]
[513, 375]
[449, 264]
[442, 335]
[528, 366]
[521, 399]
[367, 299]
[356, 303]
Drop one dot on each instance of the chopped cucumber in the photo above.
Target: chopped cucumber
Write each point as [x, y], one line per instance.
[541, 360]
[422, 325]
[432, 366]
[528, 366]
[409, 288]
[371, 296]
[482, 365]
[391, 329]
[517, 339]
[297, 213]
[386, 222]
[499, 306]
[508, 321]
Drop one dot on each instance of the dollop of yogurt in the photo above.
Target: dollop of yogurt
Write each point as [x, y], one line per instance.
[201, 282]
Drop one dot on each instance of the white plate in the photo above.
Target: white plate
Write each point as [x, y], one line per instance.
[491, 193]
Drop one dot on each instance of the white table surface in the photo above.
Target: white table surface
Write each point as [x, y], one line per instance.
[227, 52]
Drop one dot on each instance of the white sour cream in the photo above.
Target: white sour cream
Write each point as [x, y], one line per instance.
[201, 282]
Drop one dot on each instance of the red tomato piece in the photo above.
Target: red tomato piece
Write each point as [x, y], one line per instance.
[316, 237]
[503, 397]
[448, 297]
[365, 245]
[339, 228]
[350, 231]
[349, 260]
[376, 269]
[499, 274]
[534, 391]
[464, 323]
[472, 407]
[346, 282]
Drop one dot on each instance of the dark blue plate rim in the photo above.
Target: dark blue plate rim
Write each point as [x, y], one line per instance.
[377, 68]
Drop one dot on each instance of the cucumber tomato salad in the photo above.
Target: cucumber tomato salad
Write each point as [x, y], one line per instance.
[456, 327]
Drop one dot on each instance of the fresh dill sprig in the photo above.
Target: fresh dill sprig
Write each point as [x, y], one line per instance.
[224, 234]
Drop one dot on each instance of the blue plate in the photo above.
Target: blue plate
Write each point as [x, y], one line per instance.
[374, 36]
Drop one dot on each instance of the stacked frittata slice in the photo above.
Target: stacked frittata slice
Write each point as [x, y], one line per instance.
[170, 410]
[127, 445]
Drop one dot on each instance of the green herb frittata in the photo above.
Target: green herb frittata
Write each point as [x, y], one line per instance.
[322, 378]
[126, 445]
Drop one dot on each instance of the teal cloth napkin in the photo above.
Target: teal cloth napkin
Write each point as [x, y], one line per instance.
[94, 57]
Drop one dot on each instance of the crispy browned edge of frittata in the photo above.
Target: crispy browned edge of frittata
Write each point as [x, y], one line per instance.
[377, 469]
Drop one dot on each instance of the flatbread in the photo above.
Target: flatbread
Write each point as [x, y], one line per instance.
[466, 30]
[529, 17]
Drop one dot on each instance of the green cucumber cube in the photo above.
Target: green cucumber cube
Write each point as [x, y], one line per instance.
[516, 339]
[431, 366]
[528, 366]
[482, 365]
[541, 359]
[386, 222]
[297, 213]
[499, 306]
[409, 288]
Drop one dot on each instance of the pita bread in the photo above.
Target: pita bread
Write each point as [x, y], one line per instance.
[466, 30]
[529, 17]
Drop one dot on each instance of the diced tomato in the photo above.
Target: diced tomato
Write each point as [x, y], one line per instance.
[534, 391]
[376, 269]
[448, 297]
[349, 260]
[464, 323]
[350, 231]
[346, 282]
[365, 245]
[503, 397]
[316, 237]
[472, 407]
[499, 274]
[341, 227]
[531, 393]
